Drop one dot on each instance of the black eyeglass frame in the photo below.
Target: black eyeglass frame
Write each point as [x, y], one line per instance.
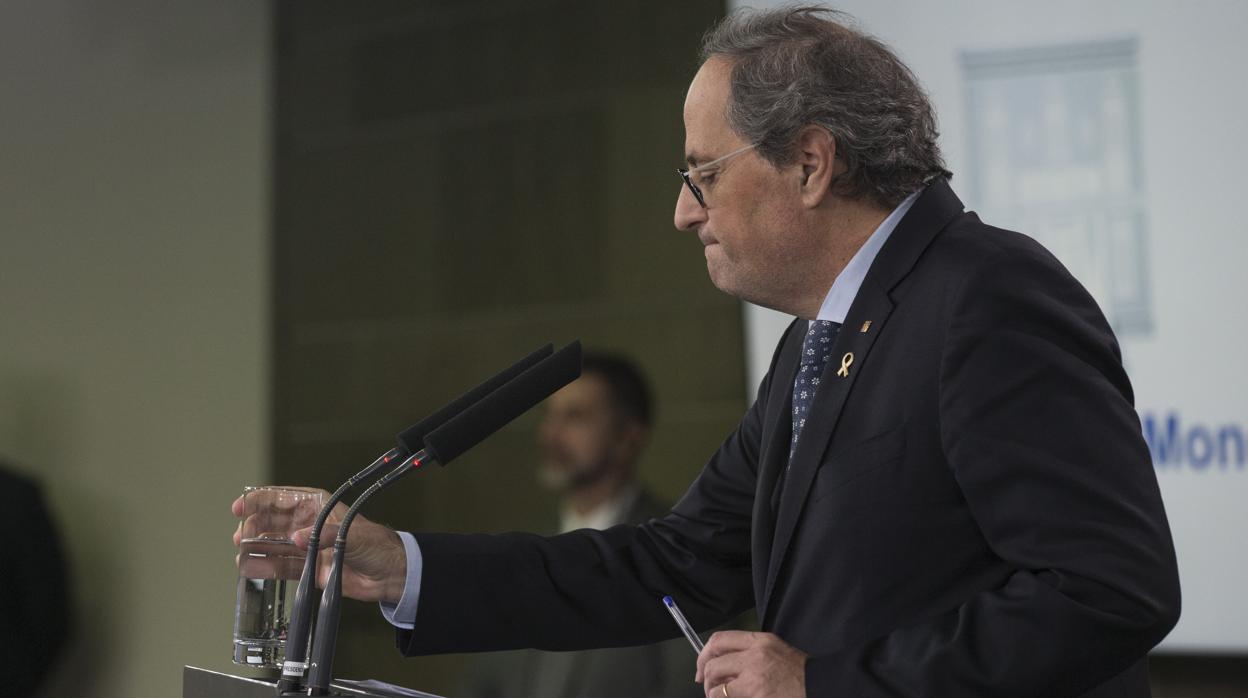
[685, 174]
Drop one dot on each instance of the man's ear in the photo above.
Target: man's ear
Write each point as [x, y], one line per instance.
[816, 158]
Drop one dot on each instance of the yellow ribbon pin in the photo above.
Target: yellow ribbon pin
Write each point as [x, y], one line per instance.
[846, 362]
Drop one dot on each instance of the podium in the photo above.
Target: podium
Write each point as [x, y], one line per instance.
[205, 683]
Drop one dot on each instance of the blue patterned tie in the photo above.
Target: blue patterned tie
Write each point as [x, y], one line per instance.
[816, 349]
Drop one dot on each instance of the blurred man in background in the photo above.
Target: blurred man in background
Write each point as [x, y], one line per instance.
[591, 437]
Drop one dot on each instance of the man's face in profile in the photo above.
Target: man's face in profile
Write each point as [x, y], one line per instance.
[582, 436]
[755, 229]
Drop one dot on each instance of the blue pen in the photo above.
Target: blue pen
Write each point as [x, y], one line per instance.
[685, 628]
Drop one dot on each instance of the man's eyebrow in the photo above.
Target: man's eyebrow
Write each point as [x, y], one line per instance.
[691, 159]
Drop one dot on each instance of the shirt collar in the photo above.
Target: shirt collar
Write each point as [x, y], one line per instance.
[836, 304]
[611, 513]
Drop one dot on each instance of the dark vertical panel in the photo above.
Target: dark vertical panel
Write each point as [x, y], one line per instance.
[457, 183]
[525, 222]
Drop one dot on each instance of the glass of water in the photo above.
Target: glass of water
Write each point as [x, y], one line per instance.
[269, 566]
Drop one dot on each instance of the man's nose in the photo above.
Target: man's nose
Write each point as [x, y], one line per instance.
[688, 212]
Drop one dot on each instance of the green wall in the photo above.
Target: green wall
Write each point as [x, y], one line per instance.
[134, 312]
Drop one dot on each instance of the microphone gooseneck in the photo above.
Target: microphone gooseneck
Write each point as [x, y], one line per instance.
[321, 664]
[294, 662]
[442, 445]
[410, 440]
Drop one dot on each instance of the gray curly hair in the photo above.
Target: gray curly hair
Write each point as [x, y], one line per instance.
[794, 66]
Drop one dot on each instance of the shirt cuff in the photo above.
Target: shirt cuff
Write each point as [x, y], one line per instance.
[403, 614]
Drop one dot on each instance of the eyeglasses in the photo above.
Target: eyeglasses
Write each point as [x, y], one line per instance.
[689, 174]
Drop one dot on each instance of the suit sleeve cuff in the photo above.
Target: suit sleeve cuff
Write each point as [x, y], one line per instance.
[403, 614]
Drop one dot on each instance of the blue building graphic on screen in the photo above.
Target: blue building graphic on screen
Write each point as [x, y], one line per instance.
[1054, 153]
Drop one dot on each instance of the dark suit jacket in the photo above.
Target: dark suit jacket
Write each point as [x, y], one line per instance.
[971, 511]
[35, 609]
[663, 670]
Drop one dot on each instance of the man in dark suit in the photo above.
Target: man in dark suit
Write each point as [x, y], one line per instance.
[591, 437]
[941, 488]
[35, 609]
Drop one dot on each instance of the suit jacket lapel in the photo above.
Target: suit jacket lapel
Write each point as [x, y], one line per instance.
[929, 214]
[825, 412]
[774, 453]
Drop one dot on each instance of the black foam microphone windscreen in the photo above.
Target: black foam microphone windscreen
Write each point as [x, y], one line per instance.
[412, 438]
[489, 415]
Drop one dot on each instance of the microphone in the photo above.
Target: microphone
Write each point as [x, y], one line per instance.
[442, 445]
[410, 440]
[471, 426]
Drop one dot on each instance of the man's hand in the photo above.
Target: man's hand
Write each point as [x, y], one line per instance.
[376, 563]
[738, 664]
